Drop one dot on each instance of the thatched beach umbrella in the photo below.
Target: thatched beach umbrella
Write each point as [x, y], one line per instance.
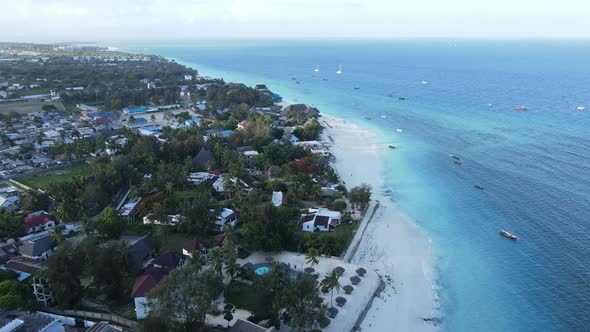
[361, 271]
[309, 270]
[348, 289]
[339, 270]
[248, 266]
[355, 280]
[340, 301]
[332, 312]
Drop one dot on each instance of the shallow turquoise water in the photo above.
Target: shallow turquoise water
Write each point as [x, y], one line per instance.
[534, 165]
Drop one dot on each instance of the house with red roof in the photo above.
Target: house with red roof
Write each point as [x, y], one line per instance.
[141, 288]
[194, 246]
[159, 268]
[39, 221]
[320, 220]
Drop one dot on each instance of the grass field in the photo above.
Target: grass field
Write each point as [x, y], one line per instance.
[42, 181]
[27, 107]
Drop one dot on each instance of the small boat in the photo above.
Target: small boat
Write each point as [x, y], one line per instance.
[399, 130]
[317, 68]
[454, 157]
[368, 118]
[424, 82]
[490, 105]
[520, 108]
[401, 98]
[458, 162]
[508, 235]
[339, 72]
[383, 117]
[392, 147]
[356, 87]
[478, 186]
[324, 79]
[580, 108]
[293, 78]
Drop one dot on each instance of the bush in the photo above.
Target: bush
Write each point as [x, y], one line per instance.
[339, 206]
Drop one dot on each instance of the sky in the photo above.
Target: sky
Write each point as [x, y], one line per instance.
[103, 20]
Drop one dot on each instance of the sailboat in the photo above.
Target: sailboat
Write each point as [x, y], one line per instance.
[339, 72]
[317, 68]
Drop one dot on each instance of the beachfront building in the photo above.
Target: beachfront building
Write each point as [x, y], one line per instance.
[321, 220]
[315, 147]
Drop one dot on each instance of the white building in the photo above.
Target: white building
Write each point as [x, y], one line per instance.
[199, 177]
[227, 218]
[278, 198]
[171, 220]
[322, 220]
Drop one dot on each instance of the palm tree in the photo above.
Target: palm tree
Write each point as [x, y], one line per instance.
[57, 236]
[331, 282]
[312, 256]
[216, 259]
[168, 189]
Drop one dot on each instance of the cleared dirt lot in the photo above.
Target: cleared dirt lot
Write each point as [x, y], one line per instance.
[28, 106]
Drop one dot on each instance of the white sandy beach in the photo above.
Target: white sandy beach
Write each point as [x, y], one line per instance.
[392, 244]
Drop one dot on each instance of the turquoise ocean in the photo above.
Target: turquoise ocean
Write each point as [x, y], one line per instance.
[534, 165]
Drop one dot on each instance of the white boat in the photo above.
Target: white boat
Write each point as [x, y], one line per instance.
[490, 105]
[399, 130]
[521, 108]
[424, 82]
[383, 117]
[339, 72]
[580, 108]
[317, 68]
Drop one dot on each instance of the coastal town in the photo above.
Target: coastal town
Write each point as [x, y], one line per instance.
[139, 195]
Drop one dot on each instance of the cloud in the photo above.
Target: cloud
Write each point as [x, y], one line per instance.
[177, 19]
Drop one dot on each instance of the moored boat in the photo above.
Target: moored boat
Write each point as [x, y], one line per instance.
[392, 147]
[478, 186]
[454, 157]
[580, 108]
[508, 235]
[521, 108]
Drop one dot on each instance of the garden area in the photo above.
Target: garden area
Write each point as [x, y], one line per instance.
[43, 181]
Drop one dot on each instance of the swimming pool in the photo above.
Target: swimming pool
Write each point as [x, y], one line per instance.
[262, 270]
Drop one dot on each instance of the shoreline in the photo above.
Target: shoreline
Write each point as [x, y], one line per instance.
[391, 243]
[408, 302]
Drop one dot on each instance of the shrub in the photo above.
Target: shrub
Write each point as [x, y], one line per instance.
[339, 206]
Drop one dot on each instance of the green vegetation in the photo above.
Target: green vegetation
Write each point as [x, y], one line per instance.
[44, 181]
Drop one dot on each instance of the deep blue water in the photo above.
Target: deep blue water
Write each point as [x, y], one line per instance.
[534, 165]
